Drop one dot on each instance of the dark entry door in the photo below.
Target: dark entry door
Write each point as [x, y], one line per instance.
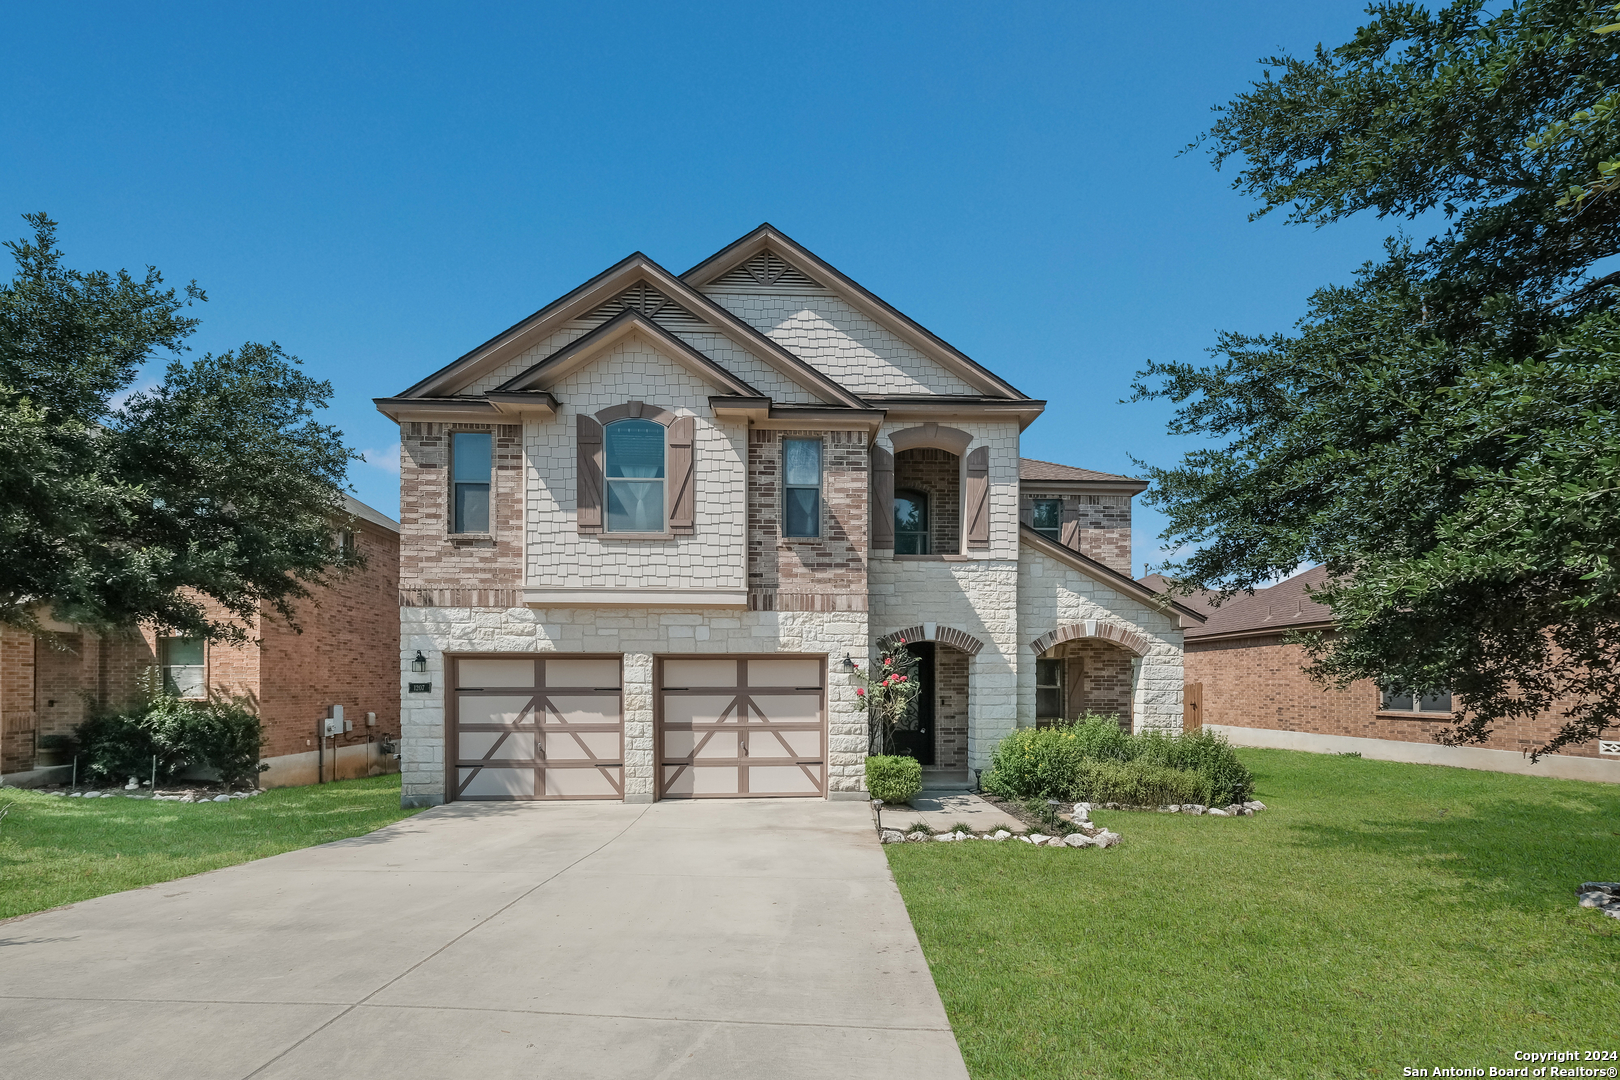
[919, 743]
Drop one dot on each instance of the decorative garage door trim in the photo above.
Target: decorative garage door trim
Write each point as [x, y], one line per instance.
[741, 726]
[526, 727]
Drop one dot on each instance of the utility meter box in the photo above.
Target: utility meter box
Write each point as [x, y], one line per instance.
[333, 724]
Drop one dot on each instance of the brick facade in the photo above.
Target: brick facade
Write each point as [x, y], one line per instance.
[1260, 682]
[938, 475]
[346, 655]
[1105, 682]
[436, 568]
[1101, 524]
[950, 707]
[824, 573]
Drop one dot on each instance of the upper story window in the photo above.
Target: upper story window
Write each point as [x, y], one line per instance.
[1048, 518]
[184, 674]
[910, 523]
[1390, 701]
[634, 468]
[801, 487]
[470, 458]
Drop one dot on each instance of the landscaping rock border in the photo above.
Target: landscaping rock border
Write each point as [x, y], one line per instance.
[1603, 895]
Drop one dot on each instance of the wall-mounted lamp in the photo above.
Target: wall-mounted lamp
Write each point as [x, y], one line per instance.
[849, 665]
[420, 662]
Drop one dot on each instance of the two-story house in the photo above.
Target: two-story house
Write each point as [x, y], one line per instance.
[646, 532]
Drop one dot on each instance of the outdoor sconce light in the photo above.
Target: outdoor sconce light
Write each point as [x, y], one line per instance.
[849, 665]
[420, 662]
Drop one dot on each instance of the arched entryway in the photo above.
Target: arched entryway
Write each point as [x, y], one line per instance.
[938, 733]
[1087, 667]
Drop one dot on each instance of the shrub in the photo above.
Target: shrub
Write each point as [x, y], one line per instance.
[222, 734]
[58, 742]
[893, 779]
[1036, 763]
[1059, 763]
[1140, 783]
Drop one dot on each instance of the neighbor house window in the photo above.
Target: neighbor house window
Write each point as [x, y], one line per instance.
[183, 671]
[1048, 518]
[635, 476]
[469, 465]
[910, 523]
[1390, 701]
[801, 487]
[1049, 689]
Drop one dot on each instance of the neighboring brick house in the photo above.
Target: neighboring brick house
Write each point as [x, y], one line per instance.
[346, 655]
[646, 529]
[1254, 689]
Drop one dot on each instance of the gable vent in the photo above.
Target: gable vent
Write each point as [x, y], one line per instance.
[651, 303]
[765, 270]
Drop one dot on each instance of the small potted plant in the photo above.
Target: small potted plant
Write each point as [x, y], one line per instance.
[54, 750]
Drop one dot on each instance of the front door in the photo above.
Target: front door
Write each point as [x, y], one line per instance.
[919, 741]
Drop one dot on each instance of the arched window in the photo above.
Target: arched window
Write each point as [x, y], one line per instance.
[910, 523]
[634, 453]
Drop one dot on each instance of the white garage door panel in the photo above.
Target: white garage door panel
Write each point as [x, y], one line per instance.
[765, 735]
[536, 744]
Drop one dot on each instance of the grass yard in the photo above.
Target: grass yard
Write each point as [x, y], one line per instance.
[55, 850]
[1377, 916]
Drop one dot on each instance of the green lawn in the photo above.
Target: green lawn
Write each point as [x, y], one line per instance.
[55, 850]
[1377, 916]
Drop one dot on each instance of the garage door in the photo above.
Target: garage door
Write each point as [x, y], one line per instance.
[749, 727]
[536, 728]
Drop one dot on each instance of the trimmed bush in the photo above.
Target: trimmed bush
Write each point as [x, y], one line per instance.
[893, 779]
[1061, 762]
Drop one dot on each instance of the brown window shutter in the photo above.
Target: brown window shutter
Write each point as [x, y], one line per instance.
[589, 477]
[882, 499]
[1074, 690]
[1071, 525]
[681, 483]
[976, 500]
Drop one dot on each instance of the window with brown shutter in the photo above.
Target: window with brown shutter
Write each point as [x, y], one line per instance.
[681, 480]
[882, 499]
[976, 498]
[589, 475]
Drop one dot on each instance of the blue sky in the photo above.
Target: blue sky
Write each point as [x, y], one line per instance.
[380, 187]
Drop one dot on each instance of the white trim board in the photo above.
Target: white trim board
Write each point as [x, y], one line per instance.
[1561, 766]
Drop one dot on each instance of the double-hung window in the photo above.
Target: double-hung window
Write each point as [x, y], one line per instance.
[469, 468]
[634, 450]
[801, 487]
[1048, 518]
[183, 666]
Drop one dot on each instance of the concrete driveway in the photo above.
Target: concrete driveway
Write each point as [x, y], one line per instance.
[760, 938]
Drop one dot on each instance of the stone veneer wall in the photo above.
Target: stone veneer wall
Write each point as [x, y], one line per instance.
[713, 557]
[638, 634]
[950, 706]
[1051, 595]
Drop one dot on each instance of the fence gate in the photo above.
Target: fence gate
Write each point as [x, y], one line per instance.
[1192, 706]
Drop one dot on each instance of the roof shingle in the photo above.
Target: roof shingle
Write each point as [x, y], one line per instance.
[1031, 469]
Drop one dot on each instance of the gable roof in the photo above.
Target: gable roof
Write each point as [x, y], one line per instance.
[587, 298]
[1284, 606]
[627, 323]
[1106, 575]
[768, 238]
